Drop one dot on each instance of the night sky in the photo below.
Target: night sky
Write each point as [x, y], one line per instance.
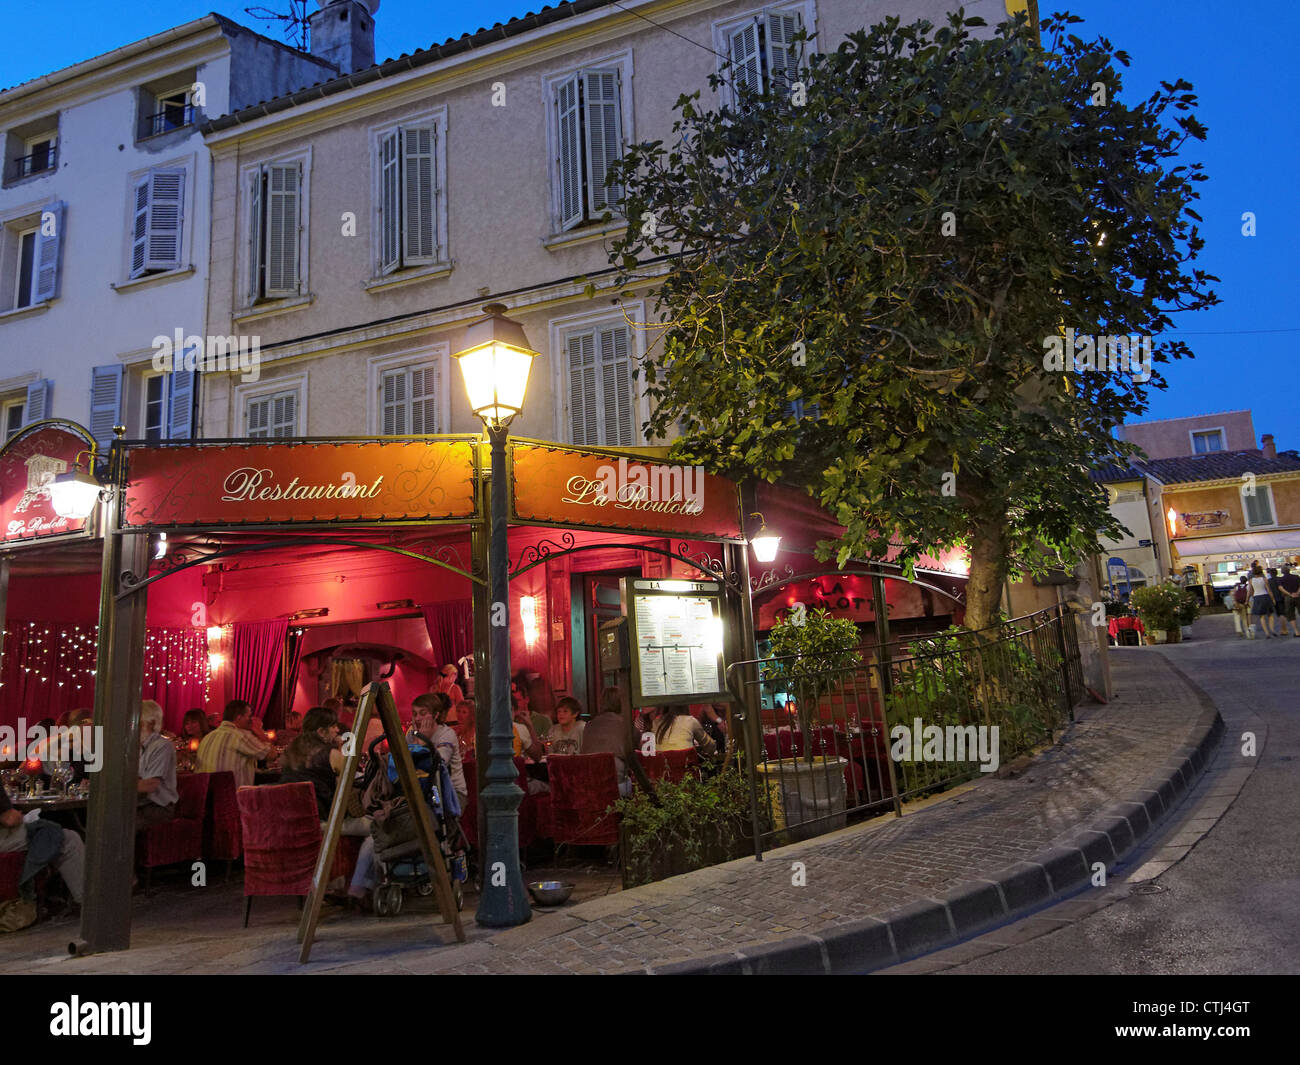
[1237, 56]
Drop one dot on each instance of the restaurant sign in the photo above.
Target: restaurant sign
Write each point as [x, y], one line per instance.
[675, 639]
[1206, 520]
[28, 465]
[301, 483]
[559, 486]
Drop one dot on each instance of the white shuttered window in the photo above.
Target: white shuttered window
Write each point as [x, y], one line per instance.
[272, 416]
[764, 54]
[159, 200]
[589, 138]
[275, 226]
[602, 399]
[408, 198]
[409, 400]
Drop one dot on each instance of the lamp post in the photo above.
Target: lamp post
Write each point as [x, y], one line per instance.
[495, 363]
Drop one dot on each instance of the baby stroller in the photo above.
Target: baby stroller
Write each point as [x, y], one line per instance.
[399, 862]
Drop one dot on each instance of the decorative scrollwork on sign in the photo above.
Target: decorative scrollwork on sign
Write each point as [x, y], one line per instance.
[534, 553]
[706, 562]
[772, 576]
[177, 558]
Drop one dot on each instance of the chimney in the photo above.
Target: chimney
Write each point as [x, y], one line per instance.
[1269, 448]
[343, 33]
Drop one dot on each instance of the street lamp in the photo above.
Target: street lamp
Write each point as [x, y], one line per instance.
[764, 542]
[495, 362]
[74, 494]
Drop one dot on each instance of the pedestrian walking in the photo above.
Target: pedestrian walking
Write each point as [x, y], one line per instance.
[1241, 608]
[1261, 601]
[1289, 583]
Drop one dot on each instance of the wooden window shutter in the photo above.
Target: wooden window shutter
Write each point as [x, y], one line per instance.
[105, 403]
[424, 399]
[166, 206]
[419, 246]
[258, 416]
[37, 406]
[616, 387]
[390, 204]
[284, 414]
[746, 73]
[395, 403]
[583, 412]
[282, 223]
[48, 264]
[782, 56]
[181, 394]
[140, 229]
[256, 230]
[604, 139]
[568, 164]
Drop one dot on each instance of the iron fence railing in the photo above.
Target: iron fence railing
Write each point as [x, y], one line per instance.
[907, 720]
[36, 163]
[164, 121]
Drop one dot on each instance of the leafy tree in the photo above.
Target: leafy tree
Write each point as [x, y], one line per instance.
[894, 241]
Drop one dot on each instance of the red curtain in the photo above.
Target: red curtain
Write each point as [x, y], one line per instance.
[50, 669]
[259, 652]
[176, 672]
[451, 631]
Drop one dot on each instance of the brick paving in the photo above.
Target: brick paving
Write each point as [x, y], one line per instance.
[863, 871]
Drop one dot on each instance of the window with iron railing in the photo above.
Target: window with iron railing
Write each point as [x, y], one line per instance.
[43, 157]
[173, 116]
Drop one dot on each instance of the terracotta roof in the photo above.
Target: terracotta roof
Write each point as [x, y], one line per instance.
[1219, 465]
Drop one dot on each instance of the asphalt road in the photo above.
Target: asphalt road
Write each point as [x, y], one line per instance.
[1233, 904]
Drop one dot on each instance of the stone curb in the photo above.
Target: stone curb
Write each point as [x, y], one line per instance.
[977, 905]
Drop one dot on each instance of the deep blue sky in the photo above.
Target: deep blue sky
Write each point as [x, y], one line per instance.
[1239, 57]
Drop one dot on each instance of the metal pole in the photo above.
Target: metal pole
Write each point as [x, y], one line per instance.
[110, 815]
[504, 901]
[482, 606]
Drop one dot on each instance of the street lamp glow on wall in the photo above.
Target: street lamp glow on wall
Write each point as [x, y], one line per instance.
[495, 362]
[1173, 521]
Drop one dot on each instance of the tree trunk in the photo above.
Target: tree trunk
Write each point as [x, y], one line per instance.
[988, 571]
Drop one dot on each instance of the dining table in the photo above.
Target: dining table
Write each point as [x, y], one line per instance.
[73, 806]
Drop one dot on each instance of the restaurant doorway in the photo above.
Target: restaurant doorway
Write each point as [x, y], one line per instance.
[596, 600]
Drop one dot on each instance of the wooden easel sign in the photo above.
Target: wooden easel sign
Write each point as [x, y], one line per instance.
[378, 695]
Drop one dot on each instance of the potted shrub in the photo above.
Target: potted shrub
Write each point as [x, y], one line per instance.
[814, 655]
[1158, 606]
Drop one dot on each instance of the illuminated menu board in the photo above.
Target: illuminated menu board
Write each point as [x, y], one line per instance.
[675, 640]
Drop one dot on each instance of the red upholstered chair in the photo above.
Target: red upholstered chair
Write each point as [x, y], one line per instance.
[222, 838]
[181, 838]
[282, 839]
[583, 787]
[345, 857]
[656, 765]
[679, 763]
[11, 871]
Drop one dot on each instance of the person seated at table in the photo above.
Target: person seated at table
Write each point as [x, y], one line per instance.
[156, 792]
[435, 720]
[237, 745]
[464, 726]
[607, 733]
[194, 725]
[530, 746]
[714, 721]
[314, 758]
[69, 860]
[565, 736]
[447, 684]
[81, 718]
[293, 721]
[678, 730]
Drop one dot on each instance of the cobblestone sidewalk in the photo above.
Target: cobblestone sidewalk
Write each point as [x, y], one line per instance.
[862, 872]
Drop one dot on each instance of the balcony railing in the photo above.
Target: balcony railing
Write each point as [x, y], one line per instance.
[165, 121]
[36, 163]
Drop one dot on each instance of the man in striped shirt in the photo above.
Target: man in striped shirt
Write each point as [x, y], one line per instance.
[237, 745]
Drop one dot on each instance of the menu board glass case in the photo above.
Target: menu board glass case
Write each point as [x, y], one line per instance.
[674, 640]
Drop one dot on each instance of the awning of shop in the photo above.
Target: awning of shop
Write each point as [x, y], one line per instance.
[1244, 545]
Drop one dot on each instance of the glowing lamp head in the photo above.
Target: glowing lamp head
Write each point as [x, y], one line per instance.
[765, 542]
[495, 363]
[74, 494]
[32, 767]
[214, 633]
[194, 745]
[1172, 516]
[528, 615]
